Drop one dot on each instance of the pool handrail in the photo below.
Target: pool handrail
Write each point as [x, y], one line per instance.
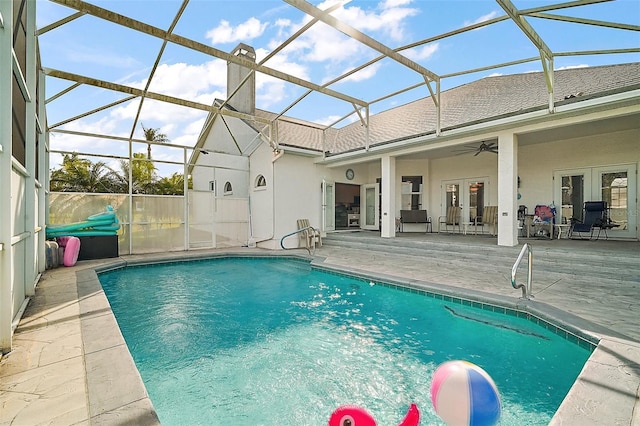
[526, 290]
[297, 232]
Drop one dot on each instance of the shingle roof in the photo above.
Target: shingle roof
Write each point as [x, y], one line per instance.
[480, 101]
[490, 98]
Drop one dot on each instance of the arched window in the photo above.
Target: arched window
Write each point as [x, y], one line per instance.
[228, 189]
[261, 182]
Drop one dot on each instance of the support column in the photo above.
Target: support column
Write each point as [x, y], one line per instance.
[6, 216]
[43, 173]
[31, 77]
[388, 197]
[507, 189]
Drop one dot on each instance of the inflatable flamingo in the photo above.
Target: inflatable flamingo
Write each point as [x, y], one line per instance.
[351, 415]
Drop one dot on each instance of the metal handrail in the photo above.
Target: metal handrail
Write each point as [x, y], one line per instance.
[526, 290]
[297, 232]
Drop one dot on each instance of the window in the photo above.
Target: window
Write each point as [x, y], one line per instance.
[261, 182]
[228, 189]
[411, 192]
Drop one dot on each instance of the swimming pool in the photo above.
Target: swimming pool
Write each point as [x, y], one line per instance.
[273, 341]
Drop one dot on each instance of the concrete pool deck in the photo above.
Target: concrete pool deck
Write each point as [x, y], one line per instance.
[70, 365]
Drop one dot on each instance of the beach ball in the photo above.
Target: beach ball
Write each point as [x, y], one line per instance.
[464, 394]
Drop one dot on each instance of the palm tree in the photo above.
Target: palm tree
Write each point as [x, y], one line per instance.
[81, 175]
[143, 173]
[153, 135]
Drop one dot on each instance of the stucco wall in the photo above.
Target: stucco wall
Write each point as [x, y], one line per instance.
[261, 199]
[294, 181]
[536, 163]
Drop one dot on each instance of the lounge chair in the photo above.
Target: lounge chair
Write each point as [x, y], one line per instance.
[594, 216]
[310, 237]
[451, 219]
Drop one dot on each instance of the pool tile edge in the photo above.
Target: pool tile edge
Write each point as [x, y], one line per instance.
[115, 391]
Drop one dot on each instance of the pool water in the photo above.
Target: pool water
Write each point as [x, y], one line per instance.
[266, 341]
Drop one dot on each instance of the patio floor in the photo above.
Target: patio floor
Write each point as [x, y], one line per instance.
[71, 366]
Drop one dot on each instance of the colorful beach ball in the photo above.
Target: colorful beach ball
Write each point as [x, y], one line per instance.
[464, 394]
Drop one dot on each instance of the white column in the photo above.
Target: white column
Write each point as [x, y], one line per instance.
[388, 197]
[31, 77]
[507, 189]
[6, 216]
[43, 174]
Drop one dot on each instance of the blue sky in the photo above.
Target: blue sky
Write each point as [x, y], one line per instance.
[92, 47]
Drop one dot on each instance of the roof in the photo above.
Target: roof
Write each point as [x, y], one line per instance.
[484, 100]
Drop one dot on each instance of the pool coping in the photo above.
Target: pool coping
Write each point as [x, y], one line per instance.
[606, 391]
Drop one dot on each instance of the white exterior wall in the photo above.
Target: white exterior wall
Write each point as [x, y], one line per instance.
[222, 168]
[298, 195]
[461, 167]
[536, 163]
[261, 199]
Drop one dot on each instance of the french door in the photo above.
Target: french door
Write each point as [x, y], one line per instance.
[470, 194]
[370, 214]
[614, 184]
[328, 205]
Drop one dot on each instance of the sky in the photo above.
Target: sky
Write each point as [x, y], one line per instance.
[92, 47]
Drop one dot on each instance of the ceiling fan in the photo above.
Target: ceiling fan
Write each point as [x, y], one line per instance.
[477, 149]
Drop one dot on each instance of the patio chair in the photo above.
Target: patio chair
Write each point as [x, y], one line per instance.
[489, 217]
[543, 220]
[310, 237]
[594, 216]
[451, 219]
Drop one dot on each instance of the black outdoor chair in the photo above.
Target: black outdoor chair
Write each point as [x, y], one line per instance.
[594, 216]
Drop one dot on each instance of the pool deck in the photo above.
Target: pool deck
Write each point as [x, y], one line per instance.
[70, 365]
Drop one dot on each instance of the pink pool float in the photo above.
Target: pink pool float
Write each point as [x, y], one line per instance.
[351, 415]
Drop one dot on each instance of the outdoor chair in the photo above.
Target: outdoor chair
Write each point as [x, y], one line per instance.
[489, 217]
[543, 220]
[310, 237]
[594, 216]
[451, 219]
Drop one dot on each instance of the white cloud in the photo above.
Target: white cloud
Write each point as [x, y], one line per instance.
[570, 67]
[281, 62]
[388, 4]
[422, 52]
[483, 18]
[363, 74]
[271, 90]
[225, 33]
[325, 121]
[389, 18]
[199, 83]
[188, 81]
[94, 144]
